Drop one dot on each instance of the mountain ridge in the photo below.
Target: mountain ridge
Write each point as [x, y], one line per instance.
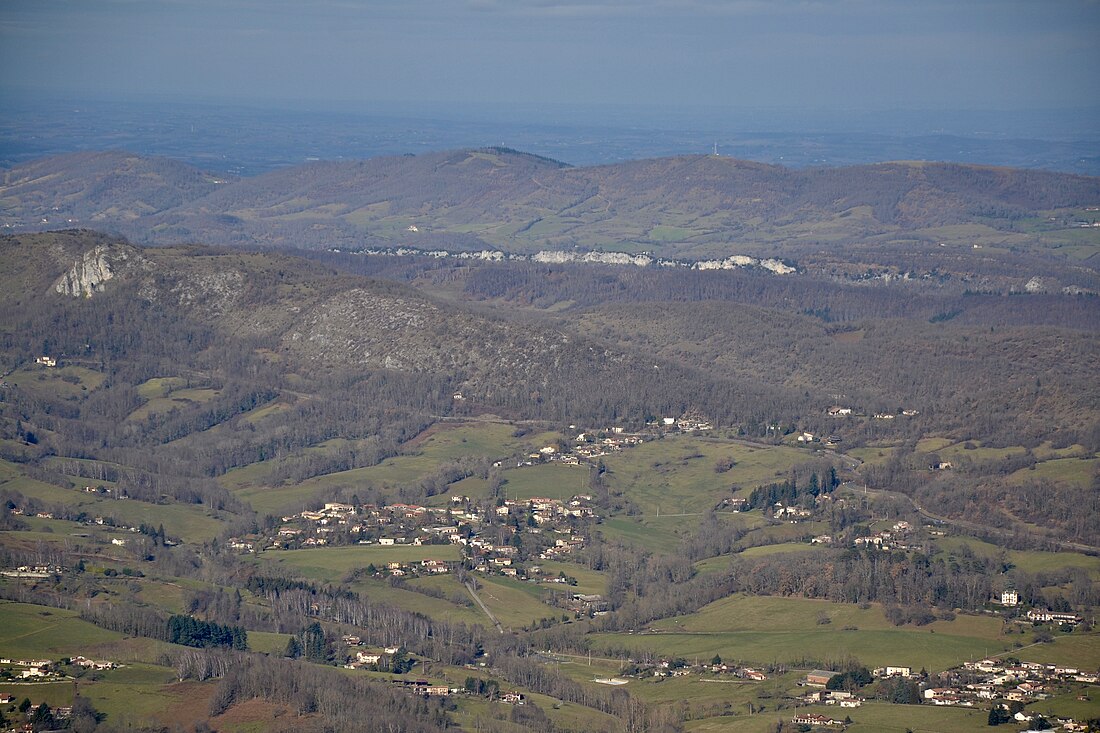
[689, 206]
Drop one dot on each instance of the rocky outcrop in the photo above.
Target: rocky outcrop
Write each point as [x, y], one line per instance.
[88, 275]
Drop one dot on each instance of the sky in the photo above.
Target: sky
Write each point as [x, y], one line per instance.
[801, 54]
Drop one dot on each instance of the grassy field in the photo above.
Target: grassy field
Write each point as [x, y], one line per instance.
[766, 629]
[187, 521]
[931, 445]
[1067, 704]
[67, 382]
[676, 475]
[267, 642]
[420, 457]
[159, 387]
[775, 614]
[870, 718]
[873, 455]
[133, 692]
[658, 533]
[166, 399]
[552, 480]
[948, 450]
[1074, 471]
[914, 648]
[329, 564]
[36, 631]
[588, 581]
[723, 562]
[1082, 650]
[515, 603]
[1032, 561]
[164, 594]
[437, 608]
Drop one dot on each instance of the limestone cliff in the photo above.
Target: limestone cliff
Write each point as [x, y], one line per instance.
[88, 275]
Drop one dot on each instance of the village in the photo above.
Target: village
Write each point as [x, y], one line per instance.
[1004, 686]
[49, 670]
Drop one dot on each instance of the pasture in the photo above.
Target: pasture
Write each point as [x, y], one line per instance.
[28, 631]
[330, 564]
[1032, 561]
[420, 457]
[190, 522]
[66, 382]
[677, 475]
[515, 603]
[551, 480]
[769, 629]
[872, 717]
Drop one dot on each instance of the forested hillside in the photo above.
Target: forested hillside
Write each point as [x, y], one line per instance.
[477, 484]
[906, 219]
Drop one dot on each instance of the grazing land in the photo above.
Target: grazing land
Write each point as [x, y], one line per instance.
[841, 426]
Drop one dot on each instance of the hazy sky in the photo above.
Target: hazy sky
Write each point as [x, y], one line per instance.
[829, 54]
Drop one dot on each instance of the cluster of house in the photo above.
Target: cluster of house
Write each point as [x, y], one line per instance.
[1056, 617]
[372, 659]
[415, 568]
[832, 697]
[37, 669]
[587, 604]
[589, 448]
[679, 668]
[46, 361]
[411, 524]
[892, 539]
[497, 559]
[1010, 598]
[361, 657]
[808, 438]
[32, 571]
[31, 668]
[591, 445]
[815, 720]
[424, 688]
[992, 679]
[687, 423]
[841, 411]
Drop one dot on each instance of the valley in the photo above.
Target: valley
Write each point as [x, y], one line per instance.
[288, 489]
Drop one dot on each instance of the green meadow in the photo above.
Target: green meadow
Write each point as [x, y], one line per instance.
[37, 631]
[872, 717]
[551, 480]
[515, 603]
[190, 522]
[420, 457]
[768, 629]
[329, 564]
[915, 648]
[677, 475]
[1079, 649]
[1032, 561]
[67, 382]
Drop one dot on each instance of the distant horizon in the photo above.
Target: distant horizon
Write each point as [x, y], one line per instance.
[246, 137]
[1040, 122]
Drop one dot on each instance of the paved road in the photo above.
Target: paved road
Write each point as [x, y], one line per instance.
[477, 600]
[974, 526]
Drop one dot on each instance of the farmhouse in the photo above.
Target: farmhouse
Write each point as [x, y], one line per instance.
[1053, 616]
[811, 719]
[896, 672]
[819, 677]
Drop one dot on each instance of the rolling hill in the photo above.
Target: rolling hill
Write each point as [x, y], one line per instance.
[692, 207]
